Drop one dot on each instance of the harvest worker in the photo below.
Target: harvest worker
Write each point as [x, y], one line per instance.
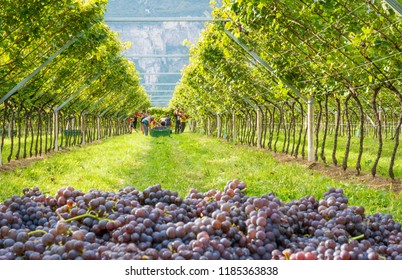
[135, 120]
[176, 115]
[130, 124]
[154, 123]
[165, 121]
[183, 119]
[146, 122]
[143, 115]
[168, 121]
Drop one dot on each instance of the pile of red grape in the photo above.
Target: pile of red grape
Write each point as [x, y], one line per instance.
[158, 224]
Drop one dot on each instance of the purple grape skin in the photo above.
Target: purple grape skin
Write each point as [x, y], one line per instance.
[157, 224]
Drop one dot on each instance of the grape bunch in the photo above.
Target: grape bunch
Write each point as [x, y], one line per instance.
[156, 224]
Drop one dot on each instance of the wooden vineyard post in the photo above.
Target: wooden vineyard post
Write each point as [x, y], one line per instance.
[10, 129]
[234, 127]
[208, 126]
[381, 117]
[98, 126]
[83, 129]
[219, 124]
[193, 125]
[310, 129]
[56, 129]
[259, 127]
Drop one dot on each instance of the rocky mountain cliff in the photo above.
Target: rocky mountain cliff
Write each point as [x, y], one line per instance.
[159, 74]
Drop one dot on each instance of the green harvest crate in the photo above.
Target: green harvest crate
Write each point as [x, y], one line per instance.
[6, 132]
[72, 132]
[156, 132]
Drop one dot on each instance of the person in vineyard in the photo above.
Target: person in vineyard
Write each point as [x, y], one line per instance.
[130, 124]
[135, 121]
[143, 115]
[176, 115]
[165, 121]
[154, 123]
[146, 122]
[183, 119]
[168, 121]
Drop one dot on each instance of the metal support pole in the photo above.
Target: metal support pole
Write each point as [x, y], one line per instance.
[265, 65]
[100, 100]
[109, 108]
[309, 101]
[105, 111]
[395, 5]
[37, 70]
[78, 92]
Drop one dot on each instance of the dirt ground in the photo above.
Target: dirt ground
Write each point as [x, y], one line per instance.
[349, 175]
[9, 166]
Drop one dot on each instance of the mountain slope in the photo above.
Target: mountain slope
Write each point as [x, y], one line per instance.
[158, 38]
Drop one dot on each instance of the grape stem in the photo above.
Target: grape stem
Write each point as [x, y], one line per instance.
[87, 215]
[36, 231]
[357, 237]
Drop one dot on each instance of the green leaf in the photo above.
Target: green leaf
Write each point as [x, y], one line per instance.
[366, 30]
[228, 25]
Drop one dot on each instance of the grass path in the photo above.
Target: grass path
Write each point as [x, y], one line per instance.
[182, 162]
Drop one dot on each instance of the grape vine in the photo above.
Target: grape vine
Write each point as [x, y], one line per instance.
[334, 52]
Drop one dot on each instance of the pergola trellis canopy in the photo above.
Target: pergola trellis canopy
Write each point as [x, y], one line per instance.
[264, 59]
[336, 53]
[64, 74]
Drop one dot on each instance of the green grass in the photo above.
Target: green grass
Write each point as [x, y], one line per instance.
[7, 146]
[370, 147]
[182, 162]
